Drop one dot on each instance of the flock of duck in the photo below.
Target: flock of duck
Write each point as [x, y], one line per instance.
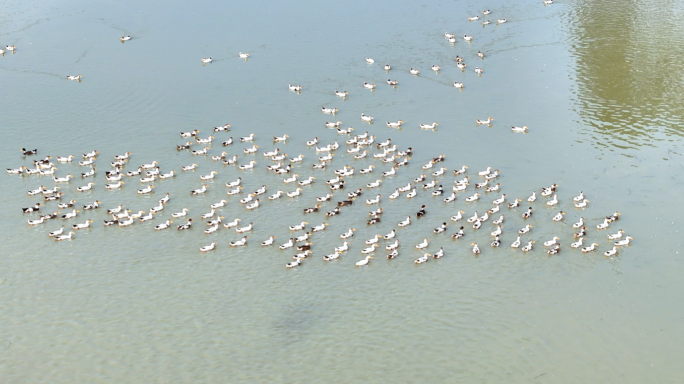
[481, 184]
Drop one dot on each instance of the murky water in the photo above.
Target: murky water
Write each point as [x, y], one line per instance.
[597, 83]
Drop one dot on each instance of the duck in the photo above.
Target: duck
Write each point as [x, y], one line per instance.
[422, 211]
[251, 165]
[480, 55]
[369, 86]
[405, 222]
[500, 21]
[331, 256]
[422, 259]
[441, 228]
[330, 111]
[588, 249]
[163, 225]
[582, 204]
[127, 222]
[64, 179]
[555, 250]
[395, 124]
[451, 198]
[532, 198]
[207, 60]
[392, 82]
[611, 252]
[559, 216]
[547, 2]
[522, 129]
[373, 240]
[209, 214]
[582, 232]
[498, 231]
[189, 134]
[514, 204]
[553, 201]
[528, 247]
[414, 71]
[479, 71]
[291, 179]
[616, 236]
[476, 249]
[579, 224]
[622, 242]
[239, 243]
[579, 197]
[527, 214]
[75, 78]
[250, 150]
[458, 85]
[552, 241]
[614, 217]
[449, 35]
[292, 264]
[578, 243]
[209, 176]
[473, 18]
[57, 232]
[461, 65]
[85, 187]
[327, 197]
[472, 198]
[467, 38]
[500, 200]
[41, 220]
[477, 224]
[253, 205]
[484, 122]
[34, 208]
[243, 55]
[436, 68]
[391, 172]
[363, 262]
[428, 126]
[370, 249]
[369, 60]
[68, 204]
[244, 229]
[473, 218]
[195, 192]
[525, 229]
[295, 88]
[231, 224]
[605, 224]
[375, 200]
[319, 228]
[65, 237]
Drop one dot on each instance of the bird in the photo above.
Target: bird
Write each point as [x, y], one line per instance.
[500, 21]
[428, 126]
[414, 71]
[341, 93]
[458, 85]
[243, 55]
[422, 259]
[369, 60]
[551, 242]
[476, 249]
[532, 198]
[436, 68]
[208, 248]
[484, 122]
[75, 77]
[422, 211]
[528, 247]
[364, 261]
[525, 229]
[239, 243]
[207, 60]
[559, 216]
[522, 129]
[295, 88]
[611, 252]
[387, 67]
[64, 237]
[348, 234]
[405, 222]
[616, 236]
[624, 241]
[163, 225]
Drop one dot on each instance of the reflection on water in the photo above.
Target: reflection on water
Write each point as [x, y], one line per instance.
[630, 60]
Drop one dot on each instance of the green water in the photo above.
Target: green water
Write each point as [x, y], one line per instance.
[597, 82]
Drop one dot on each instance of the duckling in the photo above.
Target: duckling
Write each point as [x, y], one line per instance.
[239, 243]
[527, 214]
[559, 216]
[553, 201]
[528, 247]
[590, 248]
[522, 129]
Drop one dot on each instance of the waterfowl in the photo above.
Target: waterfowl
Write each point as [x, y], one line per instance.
[514, 204]
[368, 250]
[559, 216]
[243, 55]
[467, 38]
[461, 65]
[185, 226]
[527, 214]
[605, 224]
[614, 217]
[439, 191]
[436, 68]
[547, 2]
[41, 220]
[207, 60]
[479, 71]
[528, 247]
[32, 209]
[500, 200]
[525, 229]
[428, 126]
[195, 192]
[582, 232]
[64, 237]
[616, 236]
[476, 249]
[330, 111]
[319, 228]
[189, 134]
[611, 252]
[70, 215]
[579, 224]
[552, 241]
[239, 243]
[405, 222]
[84, 225]
[422, 259]
[163, 225]
[578, 243]
[590, 248]
[374, 200]
[363, 262]
[295, 88]
[441, 228]
[532, 198]
[93, 205]
[369, 86]
[500, 21]
[392, 82]
[473, 18]
[369, 60]
[472, 198]
[244, 229]
[76, 77]
[582, 204]
[624, 241]
[395, 124]
[484, 122]
[414, 71]
[64, 179]
[250, 165]
[553, 201]
[85, 187]
[480, 55]
[522, 129]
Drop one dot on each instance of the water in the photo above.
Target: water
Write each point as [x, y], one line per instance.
[129, 304]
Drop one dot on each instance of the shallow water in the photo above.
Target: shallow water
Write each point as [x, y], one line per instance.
[134, 305]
